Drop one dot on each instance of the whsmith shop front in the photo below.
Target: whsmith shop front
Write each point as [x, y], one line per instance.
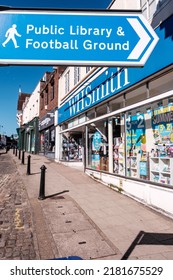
[122, 119]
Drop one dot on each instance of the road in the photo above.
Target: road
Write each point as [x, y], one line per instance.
[17, 240]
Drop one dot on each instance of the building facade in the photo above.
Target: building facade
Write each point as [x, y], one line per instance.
[48, 98]
[28, 130]
[22, 99]
[117, 122]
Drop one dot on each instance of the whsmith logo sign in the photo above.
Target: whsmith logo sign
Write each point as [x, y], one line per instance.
[75, 38]
[105, 85]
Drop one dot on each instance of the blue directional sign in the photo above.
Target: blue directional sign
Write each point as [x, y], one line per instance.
[75, 38]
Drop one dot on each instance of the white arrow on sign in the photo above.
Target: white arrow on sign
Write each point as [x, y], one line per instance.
[143, 42]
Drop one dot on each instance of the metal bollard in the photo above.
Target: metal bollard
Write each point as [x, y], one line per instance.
[29, 166]
[19, 153]
[16, 152]
[42, 183]
[23, 157]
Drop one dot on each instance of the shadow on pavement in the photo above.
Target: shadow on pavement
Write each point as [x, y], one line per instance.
[52, 195]
[149, 238]
[35, 173]
[3, 153]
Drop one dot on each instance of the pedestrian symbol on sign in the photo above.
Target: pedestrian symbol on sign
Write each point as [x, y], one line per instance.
[10, 35]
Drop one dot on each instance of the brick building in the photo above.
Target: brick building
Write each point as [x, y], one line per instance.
[48, 107]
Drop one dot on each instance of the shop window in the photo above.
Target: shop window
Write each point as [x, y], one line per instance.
[49, 140]
[71, 146]
[73, 122]
[42, 141]
[161, 151]
[98, 153]
[101, 110]
[136, 141]
[41, 101]
[82, 118]
[52, 91]
[116, 104]
[64, 126]
[91, 114]
[32, 141]
[137, 95]
[149, 142]
[67, 82]
[118, 144]
[76, 75]
[46, 141]
[161, 85]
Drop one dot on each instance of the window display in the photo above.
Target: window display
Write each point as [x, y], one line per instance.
[161, 162]
[118, 145]
[118, 156]
[136, 144]
[98, 146]
[150, 143]
[141, 146]
[72, 147]
[47, 141]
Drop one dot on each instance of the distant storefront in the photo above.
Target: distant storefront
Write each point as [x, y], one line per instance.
[28, 137]
[47, 135]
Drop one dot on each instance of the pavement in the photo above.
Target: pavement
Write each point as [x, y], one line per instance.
[82, 217]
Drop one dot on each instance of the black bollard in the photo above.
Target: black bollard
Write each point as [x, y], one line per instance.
[13, 150]
[42, 183]
[28, 172]
[16, 152]
[19, 153]
[23, 157]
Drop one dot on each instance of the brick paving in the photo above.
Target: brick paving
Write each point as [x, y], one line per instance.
[16, 229]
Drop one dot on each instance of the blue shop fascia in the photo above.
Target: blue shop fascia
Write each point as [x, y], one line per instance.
[119, 121]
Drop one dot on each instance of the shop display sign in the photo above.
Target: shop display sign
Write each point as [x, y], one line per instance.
[162, 125]
[97, 141]
[96, 161]
[143, 168]
[96, 144]
[135, 136]
[104, 38]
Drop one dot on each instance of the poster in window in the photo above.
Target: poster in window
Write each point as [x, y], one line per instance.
[136, 136]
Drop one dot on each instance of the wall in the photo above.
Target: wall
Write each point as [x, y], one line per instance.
[72, 86]
[164, 9]
[154, 197]
[46, 106]
[31, 109]
[154, 10]
[126, 4]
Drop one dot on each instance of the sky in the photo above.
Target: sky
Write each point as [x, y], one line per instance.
[26, 77]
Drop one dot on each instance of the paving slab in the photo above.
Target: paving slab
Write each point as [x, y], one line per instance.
[87, 244]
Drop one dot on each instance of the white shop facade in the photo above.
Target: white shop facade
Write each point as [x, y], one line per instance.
[118, 124]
